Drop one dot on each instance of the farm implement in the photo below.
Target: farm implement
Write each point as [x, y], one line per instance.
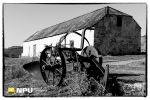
[52, 67]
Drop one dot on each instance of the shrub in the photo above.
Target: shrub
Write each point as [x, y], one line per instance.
[136, 89]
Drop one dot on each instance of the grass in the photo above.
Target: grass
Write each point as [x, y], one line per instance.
[13, 68]
[75, 83]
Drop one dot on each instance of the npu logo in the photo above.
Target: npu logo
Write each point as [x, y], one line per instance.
[20, 90]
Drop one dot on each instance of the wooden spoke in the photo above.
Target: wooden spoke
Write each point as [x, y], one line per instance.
[45, 62]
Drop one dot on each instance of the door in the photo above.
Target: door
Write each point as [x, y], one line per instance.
[29, 52]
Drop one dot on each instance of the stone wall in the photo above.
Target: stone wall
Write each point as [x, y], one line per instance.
[114, 40]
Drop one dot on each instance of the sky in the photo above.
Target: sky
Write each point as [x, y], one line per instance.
[23, 20]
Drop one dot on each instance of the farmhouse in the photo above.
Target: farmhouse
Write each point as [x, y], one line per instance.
[112, 32]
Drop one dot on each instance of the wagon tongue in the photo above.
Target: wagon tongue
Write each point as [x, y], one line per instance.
[34, 69]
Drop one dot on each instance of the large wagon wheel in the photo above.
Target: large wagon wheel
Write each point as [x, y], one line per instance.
[52, 66]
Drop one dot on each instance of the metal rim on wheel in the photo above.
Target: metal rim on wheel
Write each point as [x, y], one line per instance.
[52, 66]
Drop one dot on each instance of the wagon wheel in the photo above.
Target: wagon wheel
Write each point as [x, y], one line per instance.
[52, 66]
[94, 54]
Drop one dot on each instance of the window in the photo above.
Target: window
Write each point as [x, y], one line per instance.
[119, 21]
[34, 50]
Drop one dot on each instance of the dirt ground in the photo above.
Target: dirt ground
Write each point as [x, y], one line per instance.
[130, 71]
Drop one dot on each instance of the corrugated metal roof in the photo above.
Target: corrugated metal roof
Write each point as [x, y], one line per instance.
[84, 21]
